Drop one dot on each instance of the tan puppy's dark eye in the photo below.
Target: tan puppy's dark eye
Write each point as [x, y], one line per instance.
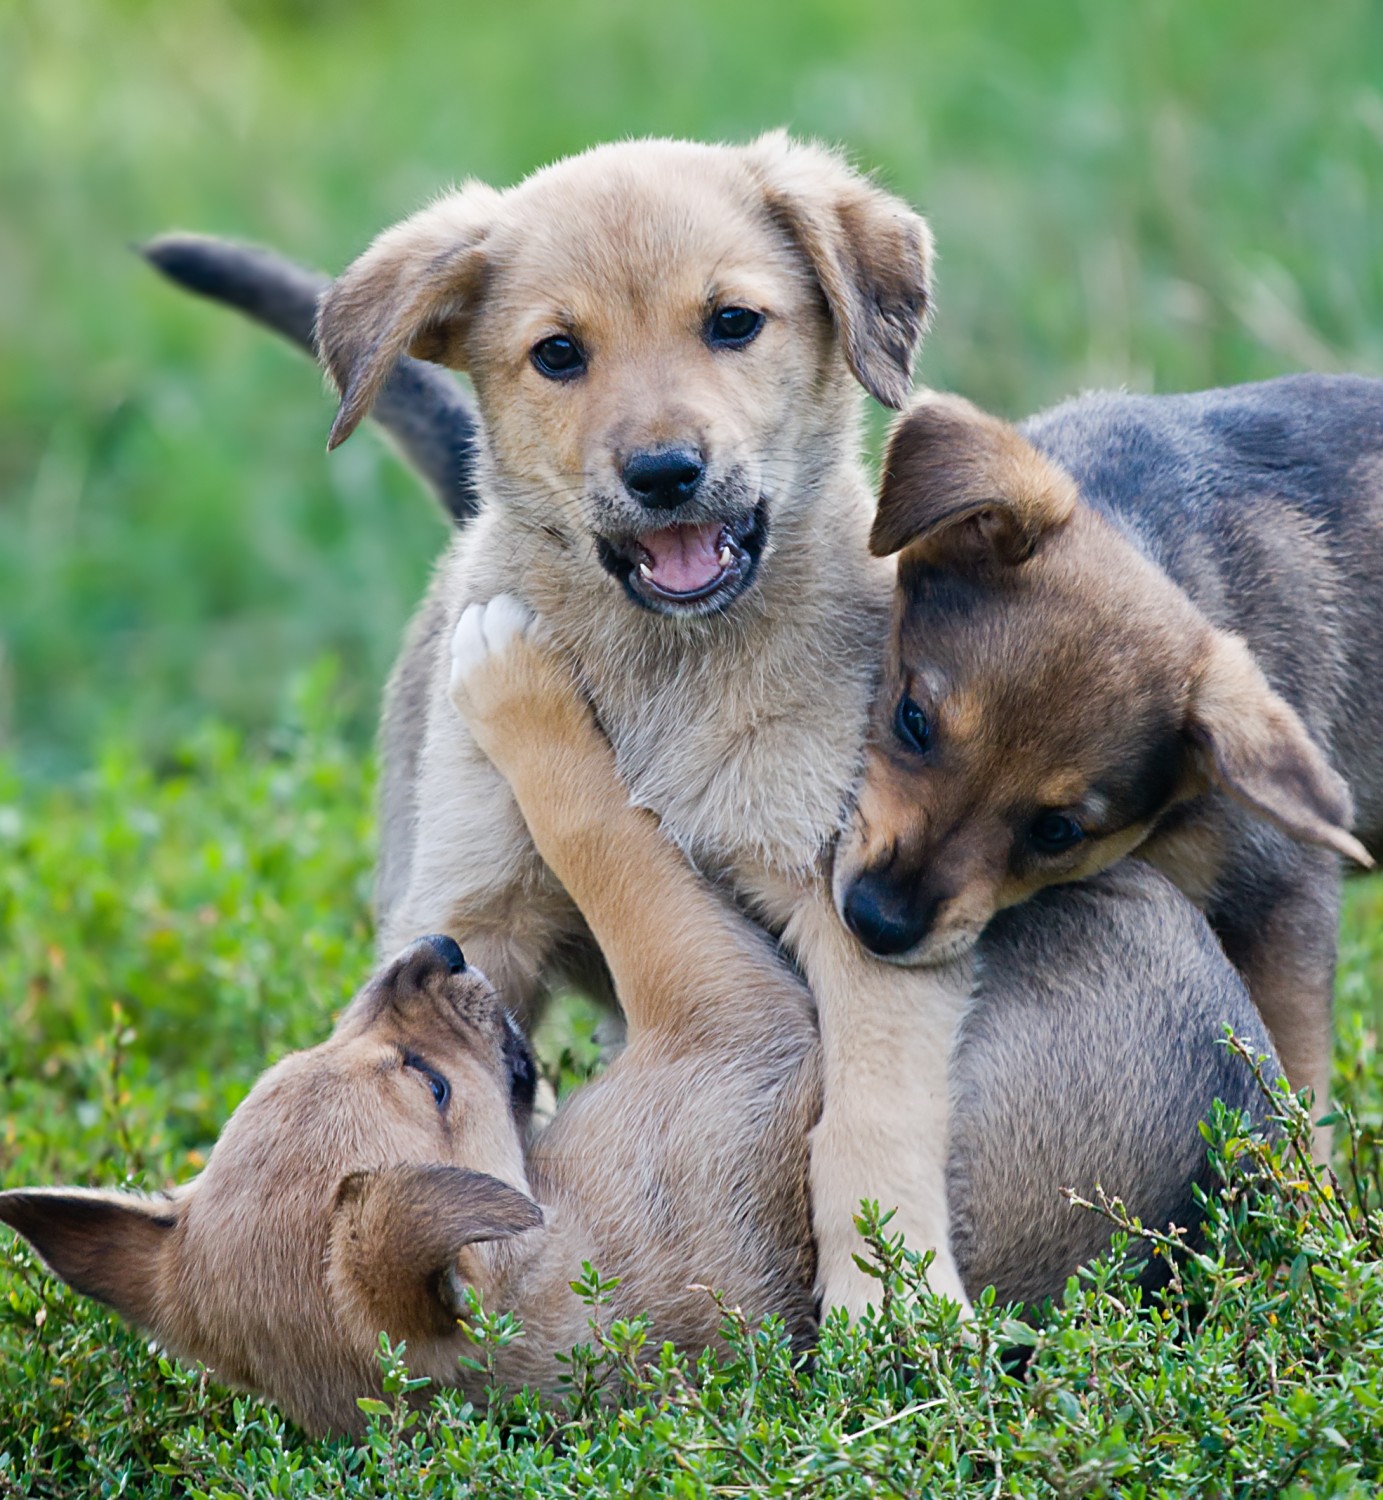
[733, 327]
[440, 1087]
[559, 358]
[1054, 832]
[912, 726]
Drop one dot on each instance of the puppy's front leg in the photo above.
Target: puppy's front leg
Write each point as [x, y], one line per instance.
[886, 1035]
[680, 958]
[476, 876]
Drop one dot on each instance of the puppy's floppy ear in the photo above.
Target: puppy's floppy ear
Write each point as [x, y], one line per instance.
[963, 489]
[870, 252]
[1249, 742]
[108, 1245]
[411, 292]
[396, 1231]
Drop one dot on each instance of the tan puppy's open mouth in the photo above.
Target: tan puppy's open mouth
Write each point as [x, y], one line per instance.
[693, 568]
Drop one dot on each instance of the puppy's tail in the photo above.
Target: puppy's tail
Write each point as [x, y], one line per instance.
[430, 418]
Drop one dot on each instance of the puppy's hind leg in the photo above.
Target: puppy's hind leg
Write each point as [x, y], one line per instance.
[684, 964]
[1286, 951]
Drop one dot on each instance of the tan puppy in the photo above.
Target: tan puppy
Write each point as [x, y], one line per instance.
[1134, 623]
[364, 1185]
[353, 1190]
[662, 339]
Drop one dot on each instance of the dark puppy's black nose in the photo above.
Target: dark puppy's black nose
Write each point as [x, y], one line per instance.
[447, 949]
[882, 917]
[663, 478]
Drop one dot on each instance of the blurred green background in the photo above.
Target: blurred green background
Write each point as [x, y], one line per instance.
[1163, 194]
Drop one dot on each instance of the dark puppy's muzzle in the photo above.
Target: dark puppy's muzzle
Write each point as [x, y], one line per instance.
[664, 478]
[885, 917]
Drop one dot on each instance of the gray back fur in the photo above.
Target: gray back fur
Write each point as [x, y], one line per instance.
[1265, 503]
[1069, 1074]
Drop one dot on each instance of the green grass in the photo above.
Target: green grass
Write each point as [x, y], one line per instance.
[1166, 195]
[165, 935]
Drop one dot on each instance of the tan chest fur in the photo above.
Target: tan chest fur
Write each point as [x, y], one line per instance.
[741, 731]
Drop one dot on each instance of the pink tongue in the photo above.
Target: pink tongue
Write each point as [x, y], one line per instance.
[684, 559]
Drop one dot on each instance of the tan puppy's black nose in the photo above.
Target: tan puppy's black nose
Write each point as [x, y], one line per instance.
[882, 917]
[447, 950]
[426, 956]
[663, 478]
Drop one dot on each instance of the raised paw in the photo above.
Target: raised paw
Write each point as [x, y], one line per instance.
[484, 635]
[510, 684]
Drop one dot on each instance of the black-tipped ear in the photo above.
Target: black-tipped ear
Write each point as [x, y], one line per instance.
[106, 1245]
[870, 252]
[1249, 742]
[396, 1231]
[964, 489]
[411, 292]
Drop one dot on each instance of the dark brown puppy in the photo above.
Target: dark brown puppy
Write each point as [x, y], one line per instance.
[1133, 623]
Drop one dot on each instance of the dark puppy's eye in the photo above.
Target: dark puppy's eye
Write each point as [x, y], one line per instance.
[559, 358]
[441, 1089]
[1054, 832]
[733, 327]
[911, 726]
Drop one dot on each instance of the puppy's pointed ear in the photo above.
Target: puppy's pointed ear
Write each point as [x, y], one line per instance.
[965, 490]
[1249, 742]
[870, 253]
[395, 1233]
[411, 292]
[108, 1245]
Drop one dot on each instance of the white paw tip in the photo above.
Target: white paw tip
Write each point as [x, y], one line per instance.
[484, 631]
[467, 641]
[504, 618]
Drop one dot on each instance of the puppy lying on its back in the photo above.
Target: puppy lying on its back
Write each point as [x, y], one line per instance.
[1133, 623]
[365, 1184]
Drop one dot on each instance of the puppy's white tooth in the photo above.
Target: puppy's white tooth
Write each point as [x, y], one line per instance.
[725, 555]
[645, 571]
